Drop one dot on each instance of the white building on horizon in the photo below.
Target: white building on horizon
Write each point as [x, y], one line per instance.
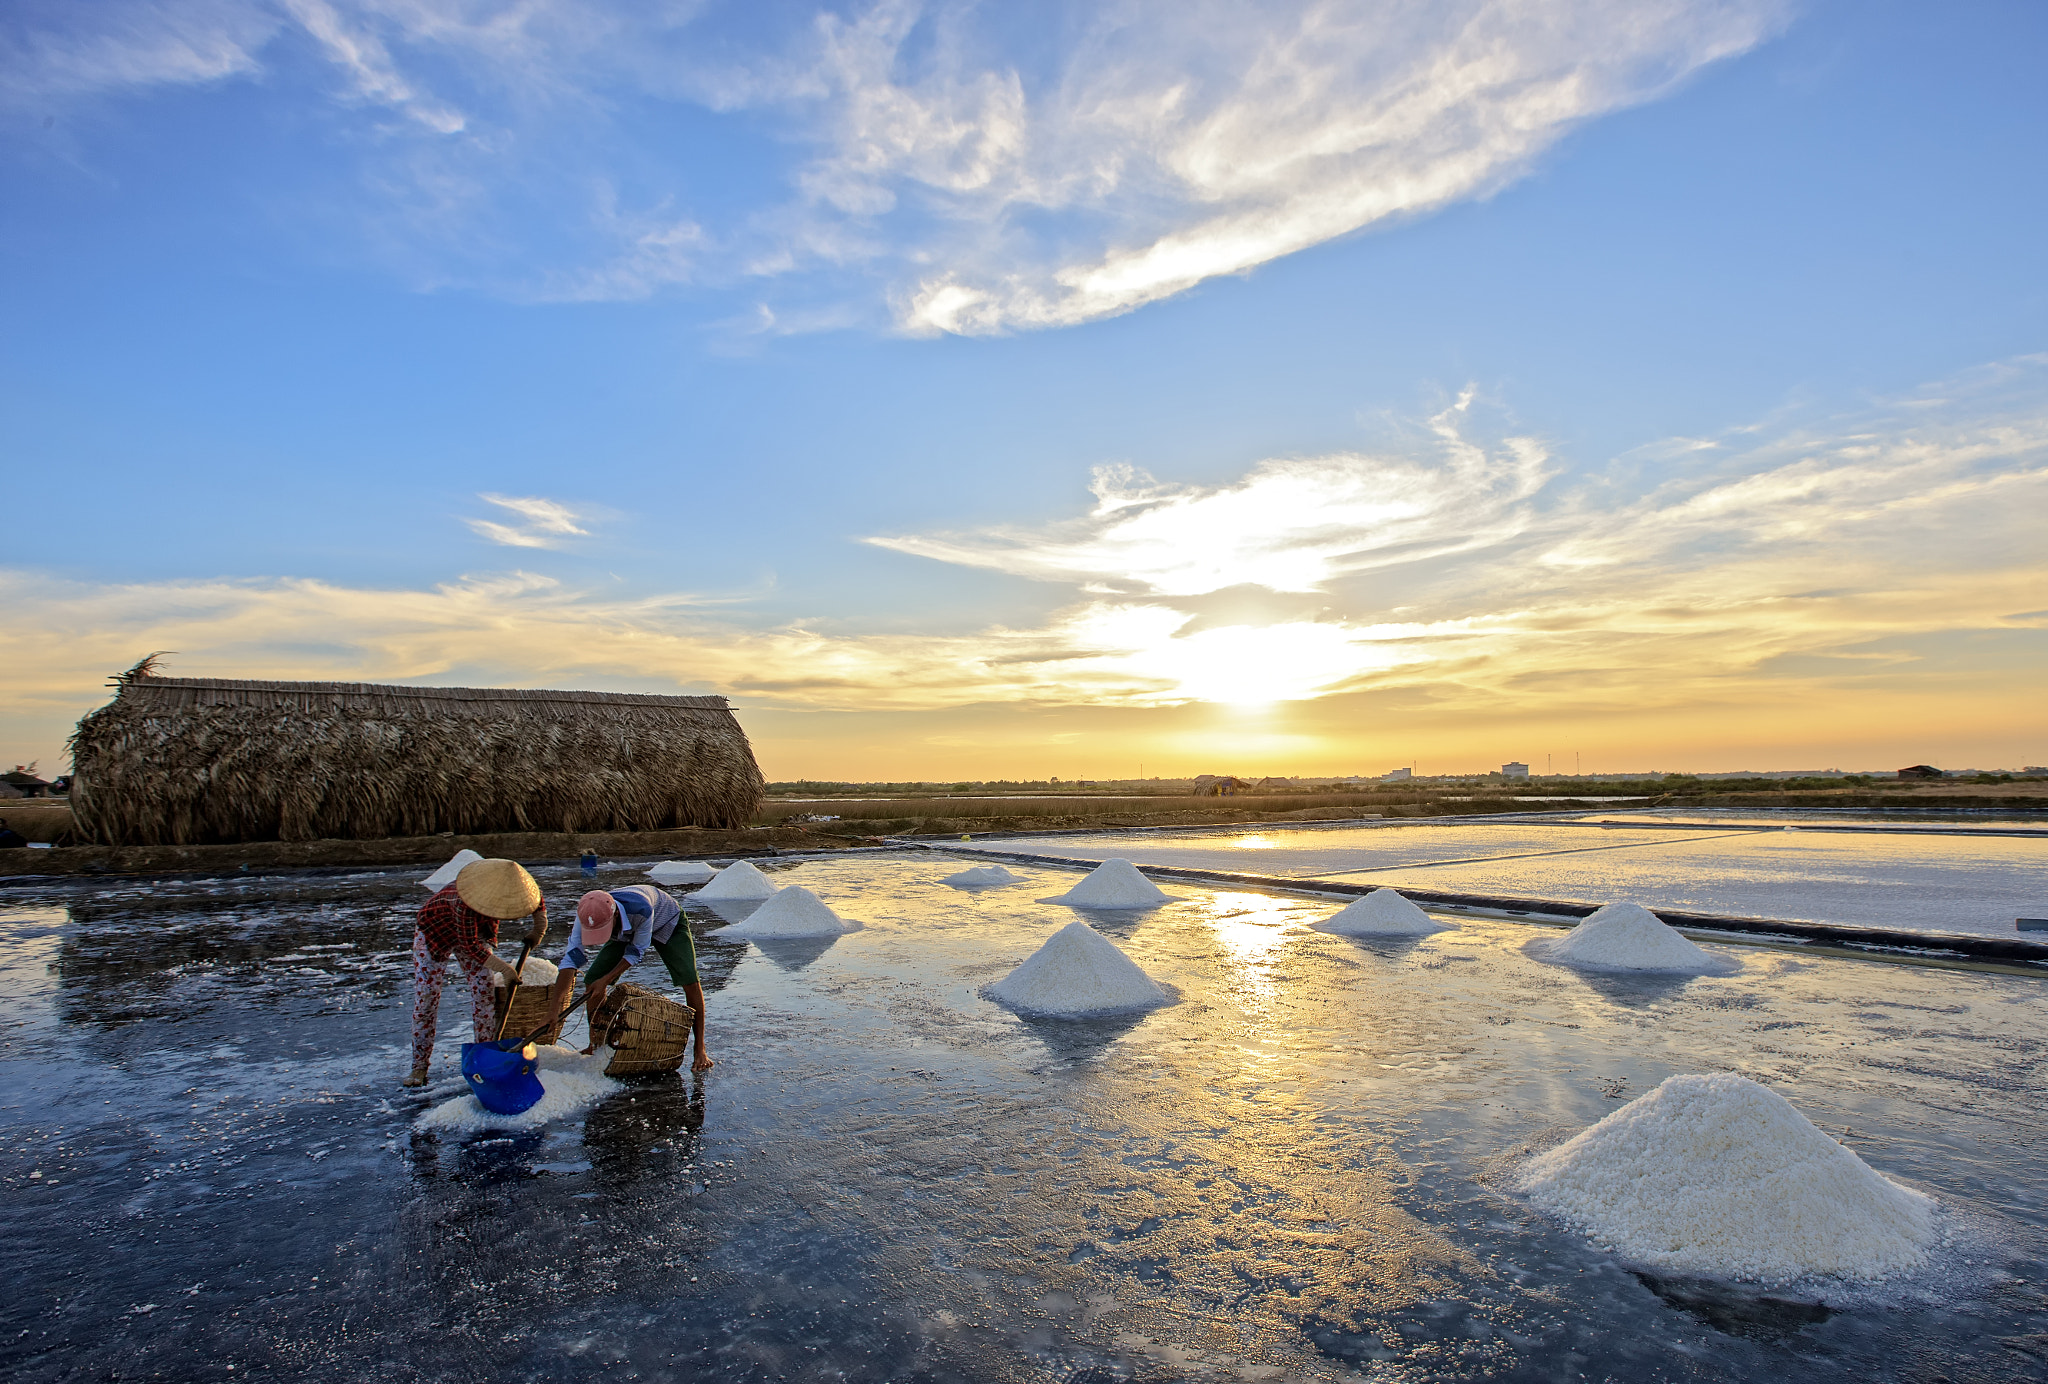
[1514, 770]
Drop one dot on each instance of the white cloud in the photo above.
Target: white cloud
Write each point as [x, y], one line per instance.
[546, 522]
[1845, 546]
[972, 182]
[1291, 525]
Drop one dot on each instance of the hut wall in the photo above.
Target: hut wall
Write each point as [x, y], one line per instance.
[185, 761]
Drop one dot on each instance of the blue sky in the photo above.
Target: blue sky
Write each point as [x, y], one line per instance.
[1454, 381]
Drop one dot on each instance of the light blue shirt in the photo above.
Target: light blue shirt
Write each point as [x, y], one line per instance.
[652, 914]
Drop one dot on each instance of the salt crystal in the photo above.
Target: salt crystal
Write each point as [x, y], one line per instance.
[680, 872]
[1627, 936]
[445, 876]
[739, 880]
[1719, 1176]
[570, 1082]
[791, 912]
[536, 971]
[1382, 913]
[1078, 972]
[1113, 884]
[982, 876]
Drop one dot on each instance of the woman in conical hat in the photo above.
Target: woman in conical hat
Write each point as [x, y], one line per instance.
[462, 921]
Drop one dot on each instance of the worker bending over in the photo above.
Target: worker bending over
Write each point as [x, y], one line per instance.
[622, 924]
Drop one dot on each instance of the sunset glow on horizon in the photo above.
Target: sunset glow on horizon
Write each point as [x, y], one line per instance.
[1304, 390]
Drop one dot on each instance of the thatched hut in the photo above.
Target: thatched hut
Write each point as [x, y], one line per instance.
[180, 761]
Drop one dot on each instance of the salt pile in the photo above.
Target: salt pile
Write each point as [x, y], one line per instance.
[739, 880]
[1113, 884]
[571, 1083]
[445, 876]
[1627, 936]
[680, 872]
[792, 912]
[535, 972]
[1382, 913]
[1078, 972]
[1715, 1175]
[981, 876]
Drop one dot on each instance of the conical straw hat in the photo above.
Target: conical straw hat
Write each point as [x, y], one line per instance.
[498, 888]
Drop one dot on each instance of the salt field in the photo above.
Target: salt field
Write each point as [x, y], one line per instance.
[1940, 877]
[1310, 1166]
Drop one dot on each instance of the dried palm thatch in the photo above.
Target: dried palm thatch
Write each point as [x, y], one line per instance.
[187, 761]
[647, 1033]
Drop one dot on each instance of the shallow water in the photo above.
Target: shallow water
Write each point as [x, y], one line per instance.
[1283, 1176]
[1920, 880]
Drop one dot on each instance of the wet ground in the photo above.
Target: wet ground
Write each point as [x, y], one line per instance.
[1291, 1174]
[1924, 876]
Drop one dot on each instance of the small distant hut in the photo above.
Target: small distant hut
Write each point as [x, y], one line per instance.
[1921, 771]
[183, 761]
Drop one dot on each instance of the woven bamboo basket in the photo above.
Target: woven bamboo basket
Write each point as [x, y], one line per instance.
[530, 1005]
[646, 1032]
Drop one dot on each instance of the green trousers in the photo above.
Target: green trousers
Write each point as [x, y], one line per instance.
[678, 953]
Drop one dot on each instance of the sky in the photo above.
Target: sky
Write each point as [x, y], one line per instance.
[1093, 391]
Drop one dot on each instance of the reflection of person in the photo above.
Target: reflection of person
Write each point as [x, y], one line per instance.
[10, 839]
[462, 921]
[622, 925]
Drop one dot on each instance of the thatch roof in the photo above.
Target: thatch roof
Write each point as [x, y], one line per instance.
[181, 761]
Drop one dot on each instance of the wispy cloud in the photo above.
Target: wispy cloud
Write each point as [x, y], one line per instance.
[970, 183]
[1458, 577]
[545, 523]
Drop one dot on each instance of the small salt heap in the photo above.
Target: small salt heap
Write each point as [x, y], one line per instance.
[445, 876]
[536, 971]
[1113, 884]
[792, 912]
[739, 880]
[1078, 972]
[982, 876]
[570, 1083]
[1718, 1176]
[680, 872]
[1629, 937]
[1382, 913]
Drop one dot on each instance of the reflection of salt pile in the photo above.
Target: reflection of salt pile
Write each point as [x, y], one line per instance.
[1113, 884]
[680, 872]
[983, 875]
[572, 1083]
[1077, 972]
[535, 972]
[1382, 913]
[1628, 936]
[1716, 1175]
[739, 880]
[793, 912]
[445, 876]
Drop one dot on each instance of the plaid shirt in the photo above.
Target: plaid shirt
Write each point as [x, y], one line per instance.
[451, 925]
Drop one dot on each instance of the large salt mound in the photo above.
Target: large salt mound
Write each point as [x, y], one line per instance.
[792, 912]
[1382, 913]
[1078, 972]
[680, 872]
[571, 1083]
[739, 880]
[1715, 1175]
[1113, 884]
[536, 971]
[982, 876]
[445, 876]
[1627, 936]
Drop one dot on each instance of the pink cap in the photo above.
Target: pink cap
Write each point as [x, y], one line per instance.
[595, 912]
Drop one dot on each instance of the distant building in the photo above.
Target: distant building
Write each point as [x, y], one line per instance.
[1514, 771]
[2036, 771]
[24, 783]
[1921, 771]
[1397, 775]
[1213, 786]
